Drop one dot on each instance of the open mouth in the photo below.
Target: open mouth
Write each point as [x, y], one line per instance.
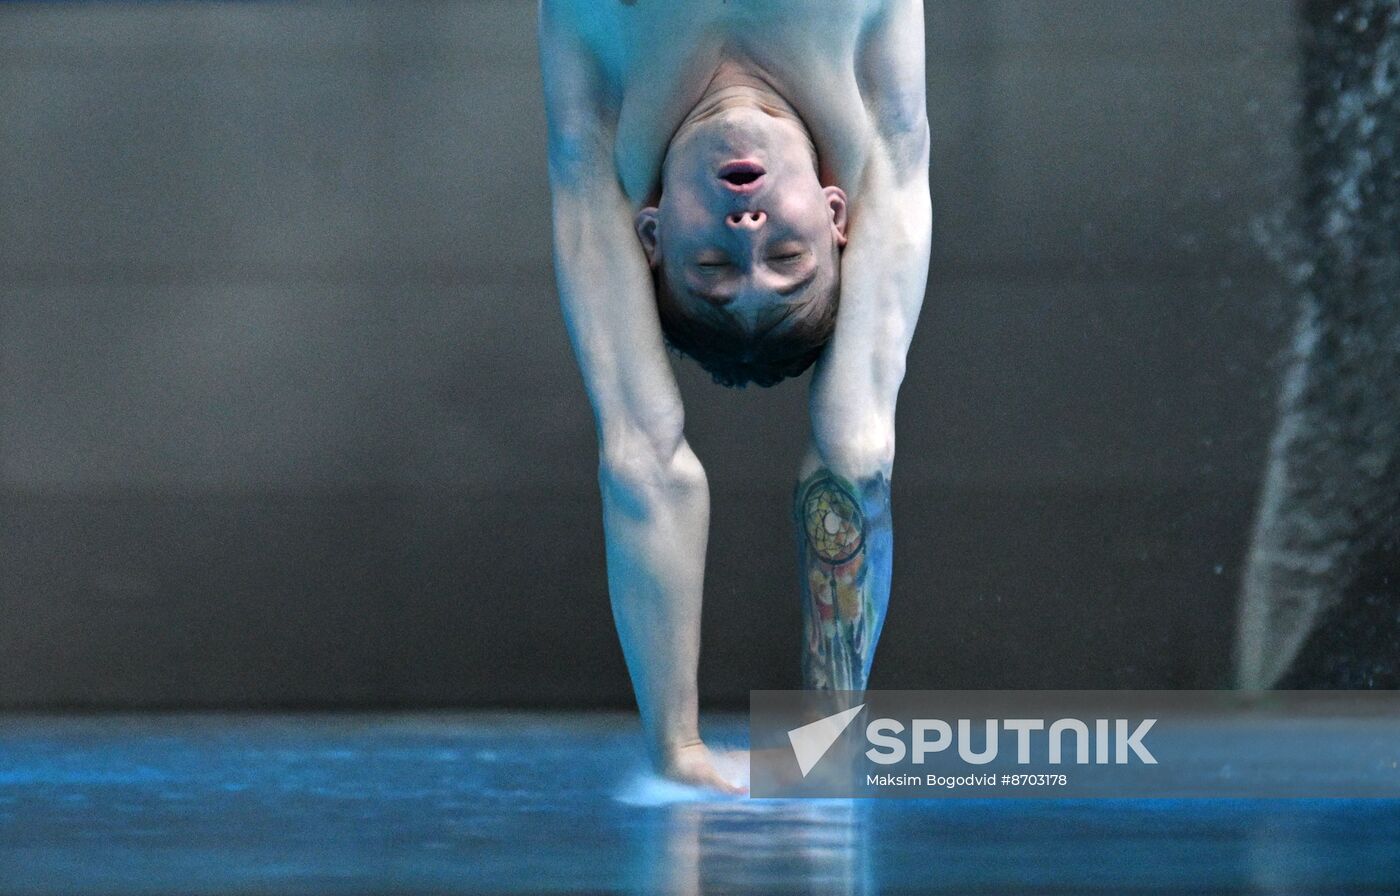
[740, 175]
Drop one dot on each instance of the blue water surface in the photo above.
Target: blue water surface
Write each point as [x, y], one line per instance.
[540, 803]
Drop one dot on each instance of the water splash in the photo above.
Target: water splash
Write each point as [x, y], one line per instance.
[645, 788]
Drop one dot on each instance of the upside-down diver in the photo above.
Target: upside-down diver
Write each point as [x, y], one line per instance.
[745, 181]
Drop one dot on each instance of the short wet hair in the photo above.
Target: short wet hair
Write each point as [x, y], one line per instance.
[733, 356]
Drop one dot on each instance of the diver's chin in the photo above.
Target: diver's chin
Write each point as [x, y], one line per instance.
[738, 130]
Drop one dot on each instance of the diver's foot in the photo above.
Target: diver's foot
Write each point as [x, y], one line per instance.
[695, 766]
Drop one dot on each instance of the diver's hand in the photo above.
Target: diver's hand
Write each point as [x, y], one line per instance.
[694, 765]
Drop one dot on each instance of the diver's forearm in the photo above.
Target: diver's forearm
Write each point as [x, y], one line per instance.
[656, 527]
[845, 549]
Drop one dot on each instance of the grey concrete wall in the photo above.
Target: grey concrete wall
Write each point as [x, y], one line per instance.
[288, 415]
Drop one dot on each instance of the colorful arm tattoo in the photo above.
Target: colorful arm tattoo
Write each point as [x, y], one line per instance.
[845, 546]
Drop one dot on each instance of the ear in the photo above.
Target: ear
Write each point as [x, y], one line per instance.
[836, 203]
[646, 222]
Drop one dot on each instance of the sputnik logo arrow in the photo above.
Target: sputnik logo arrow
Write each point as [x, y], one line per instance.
[811, 741]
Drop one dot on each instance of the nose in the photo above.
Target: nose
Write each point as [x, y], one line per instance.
[746, 220]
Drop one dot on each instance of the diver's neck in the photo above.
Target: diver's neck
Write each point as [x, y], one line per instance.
[738, 83]
[736, 73]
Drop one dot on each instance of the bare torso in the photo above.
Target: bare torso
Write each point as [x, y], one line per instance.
[656, 58]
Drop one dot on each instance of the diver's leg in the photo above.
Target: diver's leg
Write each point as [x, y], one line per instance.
[844, 549]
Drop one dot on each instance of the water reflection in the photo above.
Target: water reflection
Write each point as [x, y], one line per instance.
[811, 846]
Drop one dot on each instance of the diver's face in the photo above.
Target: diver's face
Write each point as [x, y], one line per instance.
[744, 225]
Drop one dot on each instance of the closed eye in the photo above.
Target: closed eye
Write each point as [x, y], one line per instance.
[788, 261]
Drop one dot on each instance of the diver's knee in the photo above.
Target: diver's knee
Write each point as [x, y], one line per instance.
[859, 454]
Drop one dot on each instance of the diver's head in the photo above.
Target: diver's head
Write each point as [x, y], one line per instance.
[745, 241]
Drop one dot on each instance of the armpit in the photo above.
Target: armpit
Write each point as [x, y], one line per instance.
[580, 124]
[890, 75]
[901, 123]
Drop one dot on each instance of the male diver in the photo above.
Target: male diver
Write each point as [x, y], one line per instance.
[745, 181]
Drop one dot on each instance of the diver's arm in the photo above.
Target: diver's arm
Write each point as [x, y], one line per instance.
[655, 496]
[842, 503]
[654, 490]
